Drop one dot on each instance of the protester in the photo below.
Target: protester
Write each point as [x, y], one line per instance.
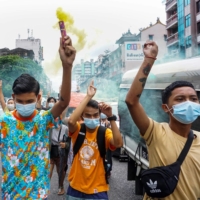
[104, 121]
[10, 105]
[165, 141]
[60, 146]
[87, 175]
[24, 134]
[50, 102]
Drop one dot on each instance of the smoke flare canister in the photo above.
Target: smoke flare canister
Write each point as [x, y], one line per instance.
[62, 28]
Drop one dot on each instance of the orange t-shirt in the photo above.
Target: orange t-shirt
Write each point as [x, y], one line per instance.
[87, 173]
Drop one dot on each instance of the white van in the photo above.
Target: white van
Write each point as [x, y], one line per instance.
[160, 77]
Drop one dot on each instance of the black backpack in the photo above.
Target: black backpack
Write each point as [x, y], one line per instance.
[160, 182]
[101, 132]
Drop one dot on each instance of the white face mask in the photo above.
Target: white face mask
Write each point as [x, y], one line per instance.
[51, 105]
[11, 107]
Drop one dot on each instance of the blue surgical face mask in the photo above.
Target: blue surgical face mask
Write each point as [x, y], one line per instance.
[91, 123]
[25, 110]
[186, 112]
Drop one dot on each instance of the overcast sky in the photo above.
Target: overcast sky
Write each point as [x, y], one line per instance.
[104, 21]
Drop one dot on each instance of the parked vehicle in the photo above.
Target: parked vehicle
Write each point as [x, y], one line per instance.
[159, 78]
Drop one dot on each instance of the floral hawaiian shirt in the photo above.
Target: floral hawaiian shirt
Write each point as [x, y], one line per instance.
[25, 155]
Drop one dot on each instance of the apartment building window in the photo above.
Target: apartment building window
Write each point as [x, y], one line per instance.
[187, 21]
[150, 37]
[187, 2]
[165, 37]
[198, 6]
[198, 28]
[188, 42]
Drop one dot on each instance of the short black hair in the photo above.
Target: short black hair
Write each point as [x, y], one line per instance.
[49, 99]
[26, 84]
[168, 90]
[93, 103]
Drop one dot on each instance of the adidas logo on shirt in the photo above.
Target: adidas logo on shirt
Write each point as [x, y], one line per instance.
[153, 186]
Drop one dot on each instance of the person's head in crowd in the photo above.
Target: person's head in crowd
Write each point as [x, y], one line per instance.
[91, 114]
[180, 100]
[103, 119]
[51, 101]
[10, 104]
[25, 94]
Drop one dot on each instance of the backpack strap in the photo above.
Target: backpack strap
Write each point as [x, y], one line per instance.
[101, 142]
[80, 139]
[59, 133]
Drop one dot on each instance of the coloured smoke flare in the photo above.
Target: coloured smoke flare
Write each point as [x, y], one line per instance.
[62, 28]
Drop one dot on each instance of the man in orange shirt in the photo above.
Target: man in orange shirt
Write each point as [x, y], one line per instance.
[87, 175]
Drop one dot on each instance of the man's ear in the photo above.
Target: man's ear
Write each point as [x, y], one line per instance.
[165, 108]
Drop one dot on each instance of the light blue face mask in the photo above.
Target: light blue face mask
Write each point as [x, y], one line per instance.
[91, 123]
[25, 110]
[186, 112]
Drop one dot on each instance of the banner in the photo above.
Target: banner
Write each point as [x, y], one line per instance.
[134, 51]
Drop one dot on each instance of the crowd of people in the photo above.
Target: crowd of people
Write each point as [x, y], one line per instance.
[34, 138]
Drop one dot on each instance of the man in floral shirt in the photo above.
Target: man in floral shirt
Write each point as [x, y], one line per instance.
[24, 134]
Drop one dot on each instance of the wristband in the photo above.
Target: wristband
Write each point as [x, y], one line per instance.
[150, 57]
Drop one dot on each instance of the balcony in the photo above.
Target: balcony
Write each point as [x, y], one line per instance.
[172, 39]
[170, 3]
[172, 21]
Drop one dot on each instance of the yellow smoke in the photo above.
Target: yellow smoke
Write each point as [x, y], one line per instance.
[52, 68]
[63, 16]
[70, 28]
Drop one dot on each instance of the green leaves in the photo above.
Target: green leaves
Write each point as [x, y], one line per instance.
[12, 66]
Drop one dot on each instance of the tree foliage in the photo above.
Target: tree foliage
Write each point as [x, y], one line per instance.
[12, 66]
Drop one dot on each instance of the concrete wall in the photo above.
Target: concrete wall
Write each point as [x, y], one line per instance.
[30, 44]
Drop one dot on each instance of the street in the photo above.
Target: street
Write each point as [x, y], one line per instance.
[120, 188]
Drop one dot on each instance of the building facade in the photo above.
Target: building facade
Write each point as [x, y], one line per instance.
[111, 66]
[183, 28]
[32, 44]
[84, 71]
[23, 53]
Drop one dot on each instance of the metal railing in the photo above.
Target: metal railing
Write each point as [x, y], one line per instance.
[171, 39]
[172, 20]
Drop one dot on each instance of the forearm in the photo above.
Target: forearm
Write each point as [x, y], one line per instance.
[117, 138]
[65, 87]
[139, 81]
[79, 110]
[63, 116]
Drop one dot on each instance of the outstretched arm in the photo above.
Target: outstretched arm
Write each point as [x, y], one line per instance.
[117, 138]
[67, 56]
[132, 99]
[2, 101]
[75, 116]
